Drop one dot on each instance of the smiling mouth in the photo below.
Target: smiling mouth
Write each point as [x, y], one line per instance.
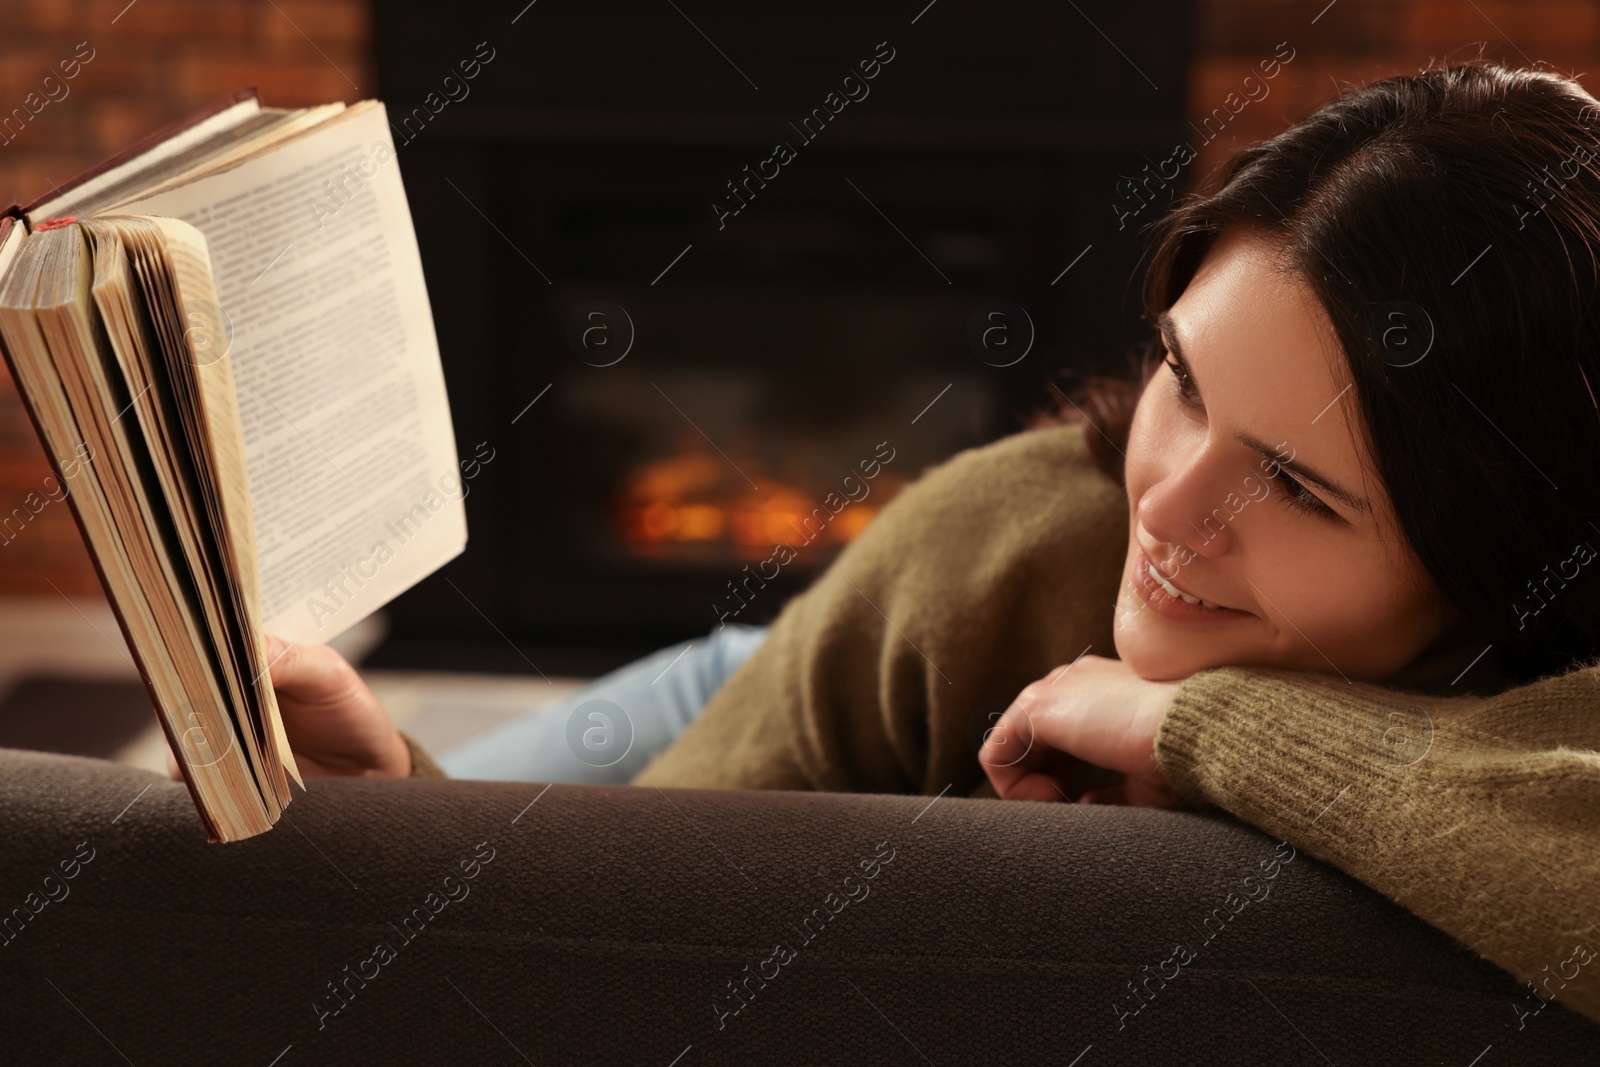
[1155, 575]
[1168, 600]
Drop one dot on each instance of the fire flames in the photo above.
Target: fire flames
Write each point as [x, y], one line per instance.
[698, 498]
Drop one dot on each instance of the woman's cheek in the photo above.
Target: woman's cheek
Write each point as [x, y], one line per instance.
[1339, 615]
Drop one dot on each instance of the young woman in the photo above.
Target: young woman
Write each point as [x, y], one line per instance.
[1343, 555]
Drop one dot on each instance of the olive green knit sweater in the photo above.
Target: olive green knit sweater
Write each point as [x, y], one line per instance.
[1477, 811]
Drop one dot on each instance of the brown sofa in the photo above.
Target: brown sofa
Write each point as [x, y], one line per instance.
[585, 924]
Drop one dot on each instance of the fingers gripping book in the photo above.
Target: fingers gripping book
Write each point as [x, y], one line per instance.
[224, 341]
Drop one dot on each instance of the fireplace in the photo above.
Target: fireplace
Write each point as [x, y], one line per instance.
[688, 347]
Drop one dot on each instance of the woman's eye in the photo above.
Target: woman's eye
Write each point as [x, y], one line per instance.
[1292, 493]
[1186, 389]
[1302, 499]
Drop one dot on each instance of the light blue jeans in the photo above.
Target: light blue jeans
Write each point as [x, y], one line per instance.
[604, 733]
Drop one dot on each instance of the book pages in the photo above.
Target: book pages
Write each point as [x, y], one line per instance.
[353, 474]
[200, 132]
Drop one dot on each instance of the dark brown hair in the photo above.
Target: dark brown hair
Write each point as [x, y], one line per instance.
[1449, 223]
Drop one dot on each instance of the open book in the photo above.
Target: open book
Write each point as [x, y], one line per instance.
[224, 341]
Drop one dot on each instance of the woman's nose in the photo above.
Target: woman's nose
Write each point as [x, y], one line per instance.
[1188, 506]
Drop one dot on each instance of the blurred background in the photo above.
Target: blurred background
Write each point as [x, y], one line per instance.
[673, 358]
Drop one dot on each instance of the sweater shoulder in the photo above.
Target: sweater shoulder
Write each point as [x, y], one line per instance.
[1025, 531]
[1038, 485]
[1057, 452]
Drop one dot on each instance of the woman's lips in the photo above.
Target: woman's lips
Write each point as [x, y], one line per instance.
[1172, 607]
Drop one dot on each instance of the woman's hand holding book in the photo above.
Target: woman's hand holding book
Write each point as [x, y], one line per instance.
[333, 720]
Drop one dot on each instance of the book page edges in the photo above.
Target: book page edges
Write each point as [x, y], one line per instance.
[220, 410]
[306, 121]
[12, 235]
[169, 140]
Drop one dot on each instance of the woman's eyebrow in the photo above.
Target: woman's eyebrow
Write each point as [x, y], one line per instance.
[1294, 466]
[1169, 337]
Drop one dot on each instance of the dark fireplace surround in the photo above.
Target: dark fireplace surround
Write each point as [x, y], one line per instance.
[691, 294]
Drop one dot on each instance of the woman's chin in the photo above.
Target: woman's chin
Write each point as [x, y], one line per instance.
[1152, 656]
[1143, 653]
[1159, 672]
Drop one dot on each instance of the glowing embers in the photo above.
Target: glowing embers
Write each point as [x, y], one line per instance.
[696, 499]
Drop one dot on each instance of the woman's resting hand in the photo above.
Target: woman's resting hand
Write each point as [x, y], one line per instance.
[333, 720]
[1094, 709]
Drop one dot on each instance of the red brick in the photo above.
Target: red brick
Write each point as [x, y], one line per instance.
[205, 76]
[17, 439]
[1253, 28]
[27, 61]
[45, 16]
[330, 24]
[166, 20]
[116, 122]
[33, 174]
[58, 126]
[121, 68]
[1530, 26]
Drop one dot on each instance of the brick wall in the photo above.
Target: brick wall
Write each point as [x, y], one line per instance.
[1355, 41]
[148, 63]
[157, 60]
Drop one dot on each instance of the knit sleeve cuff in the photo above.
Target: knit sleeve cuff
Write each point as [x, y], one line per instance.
[422, 764]
[1277, 748]
[1476, 812]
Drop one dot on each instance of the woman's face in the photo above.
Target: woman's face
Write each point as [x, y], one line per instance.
[1312, 571]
